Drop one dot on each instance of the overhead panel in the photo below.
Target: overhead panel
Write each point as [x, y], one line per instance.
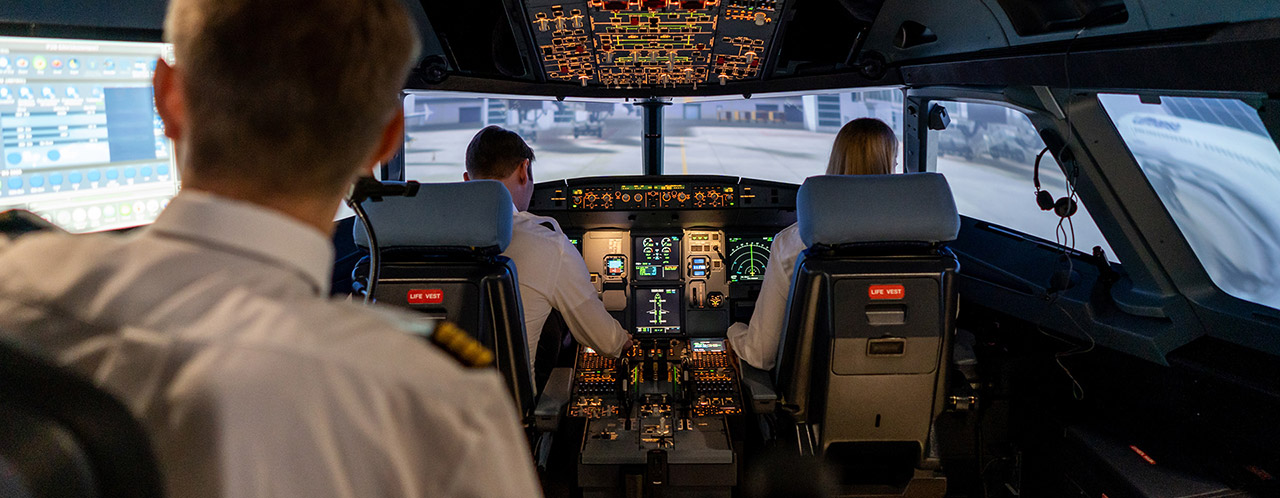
[653, 43]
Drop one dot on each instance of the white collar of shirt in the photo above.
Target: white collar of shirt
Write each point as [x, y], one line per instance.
[251, 230]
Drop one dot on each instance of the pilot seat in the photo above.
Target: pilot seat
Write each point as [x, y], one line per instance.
[441, 256]
[62, 437]
[861, 370]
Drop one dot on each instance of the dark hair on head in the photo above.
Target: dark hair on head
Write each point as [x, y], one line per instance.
[495, 153]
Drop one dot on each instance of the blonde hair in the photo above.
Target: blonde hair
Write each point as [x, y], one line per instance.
[289, 93]
[864, 146]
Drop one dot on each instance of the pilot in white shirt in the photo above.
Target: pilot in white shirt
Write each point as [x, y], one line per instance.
[254, 382]
[757, 343]
[214, 324]
[864, 146]
[551, 272]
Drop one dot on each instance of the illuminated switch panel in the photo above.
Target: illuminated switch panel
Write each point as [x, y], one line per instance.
[567, 47]
[741, 61]
[653, 43]
[758, 12]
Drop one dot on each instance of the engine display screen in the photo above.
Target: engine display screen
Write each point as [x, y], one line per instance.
[657, 257]
[748, 258]
[657, 310]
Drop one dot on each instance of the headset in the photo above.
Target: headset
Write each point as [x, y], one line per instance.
[1063, 207]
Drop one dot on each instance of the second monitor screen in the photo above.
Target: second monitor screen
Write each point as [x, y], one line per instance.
[657, 310]
[657, 257]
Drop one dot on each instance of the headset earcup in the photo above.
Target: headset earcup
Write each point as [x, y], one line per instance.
[1044, 200]
[1065, 207]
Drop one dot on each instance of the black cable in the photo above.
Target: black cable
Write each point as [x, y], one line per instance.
[374, 260]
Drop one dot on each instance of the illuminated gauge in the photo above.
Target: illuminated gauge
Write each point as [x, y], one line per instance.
[748, 259]
[650, 246]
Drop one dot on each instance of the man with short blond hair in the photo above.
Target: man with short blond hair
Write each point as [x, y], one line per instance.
[214, 324]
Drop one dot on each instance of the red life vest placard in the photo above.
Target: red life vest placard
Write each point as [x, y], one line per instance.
[892, 291]
[426, 296]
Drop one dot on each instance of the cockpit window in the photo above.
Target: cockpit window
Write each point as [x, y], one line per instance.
[784, 138]
[1217, 171]
[570, 139]
[987, 154]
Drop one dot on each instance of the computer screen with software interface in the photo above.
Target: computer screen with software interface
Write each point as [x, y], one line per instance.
[83, 146]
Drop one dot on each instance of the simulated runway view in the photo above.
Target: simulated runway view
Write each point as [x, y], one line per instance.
[783, 139]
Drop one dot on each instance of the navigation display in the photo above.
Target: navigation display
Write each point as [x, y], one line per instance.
[748, 257]
[661, 196]
[657, 257]
[657, 310]
[82, 144]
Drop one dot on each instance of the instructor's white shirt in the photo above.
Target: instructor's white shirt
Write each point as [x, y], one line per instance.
[553, 276]
[215, 327]
[757, 343]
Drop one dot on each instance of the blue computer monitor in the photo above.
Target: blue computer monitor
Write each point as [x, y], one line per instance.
[82, 144]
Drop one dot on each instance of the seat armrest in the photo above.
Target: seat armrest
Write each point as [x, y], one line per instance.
[759, 387]
[554, 398]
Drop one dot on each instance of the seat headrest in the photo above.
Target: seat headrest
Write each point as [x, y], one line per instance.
[475, 214]
[915, 207]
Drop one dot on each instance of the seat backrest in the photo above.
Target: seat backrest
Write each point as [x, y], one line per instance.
[60, 436]
[441, 256]
[871, 311]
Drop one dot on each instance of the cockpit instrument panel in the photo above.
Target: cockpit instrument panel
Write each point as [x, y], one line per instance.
[652, 43]
[657, 196]
[657, 257]
[748, 257]
[658, 310]
[707, 345]
[615, 266]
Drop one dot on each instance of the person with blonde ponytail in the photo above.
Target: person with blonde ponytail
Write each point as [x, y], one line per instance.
[864, 146]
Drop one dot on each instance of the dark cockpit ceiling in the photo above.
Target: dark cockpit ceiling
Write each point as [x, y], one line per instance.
[646, 48]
